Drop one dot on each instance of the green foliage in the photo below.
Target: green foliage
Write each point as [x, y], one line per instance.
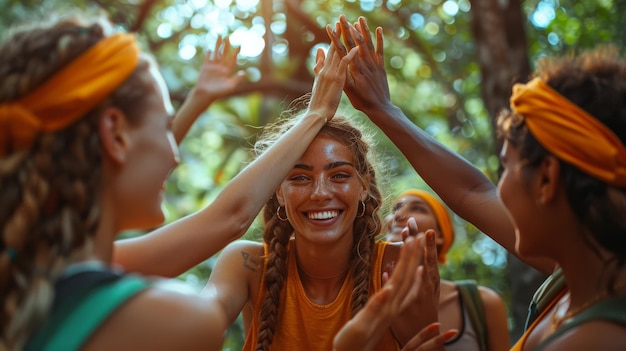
[433, 74]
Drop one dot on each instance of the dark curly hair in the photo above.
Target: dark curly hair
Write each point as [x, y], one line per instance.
[595, 81]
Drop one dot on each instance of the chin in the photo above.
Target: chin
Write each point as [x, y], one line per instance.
[148, 222]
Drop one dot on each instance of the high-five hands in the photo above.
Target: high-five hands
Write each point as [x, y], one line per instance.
[330, 76]
[367, 86]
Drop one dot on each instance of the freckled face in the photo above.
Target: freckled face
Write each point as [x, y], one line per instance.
[321, 194]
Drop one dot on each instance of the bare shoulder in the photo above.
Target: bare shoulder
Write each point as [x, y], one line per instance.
[489, 296]
[163, 318]
[595, 335]
[249, 253]
[247, 245]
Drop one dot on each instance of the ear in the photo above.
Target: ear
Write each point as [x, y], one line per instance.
[365, 183]
[113, 128]
[549, 179]
[279, 196]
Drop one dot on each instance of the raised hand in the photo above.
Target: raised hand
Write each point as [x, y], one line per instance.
[217, 76]
[330, 77]
[367, 327]
[422, 310]
[217, 79]
[366, 86]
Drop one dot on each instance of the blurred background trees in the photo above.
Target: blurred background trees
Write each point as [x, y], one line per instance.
[451, 65]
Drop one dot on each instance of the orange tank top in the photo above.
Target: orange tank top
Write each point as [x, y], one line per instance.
[519, 345]
[304, 325]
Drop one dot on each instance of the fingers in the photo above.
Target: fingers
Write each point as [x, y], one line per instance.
[403, 273]
[333, 59]
[379, 44]
[336, 40]
[346, 32]
[320, 58]
[411, 229]
[432, 268]
[217, 51]
[223, 52]
[430, 339]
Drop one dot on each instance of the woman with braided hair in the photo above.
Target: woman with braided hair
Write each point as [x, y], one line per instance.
[87, 139]
[319, 261]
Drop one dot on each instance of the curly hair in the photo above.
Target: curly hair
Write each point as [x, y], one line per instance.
[277, 233]
[595, 81]
[49, 208]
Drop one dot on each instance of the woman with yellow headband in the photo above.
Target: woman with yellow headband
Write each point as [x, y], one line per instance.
[456, 310]
[559, 204]
[86, 142]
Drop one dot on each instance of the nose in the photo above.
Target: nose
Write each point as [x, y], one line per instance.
[320, 190]
[399, 215]
[175, 150]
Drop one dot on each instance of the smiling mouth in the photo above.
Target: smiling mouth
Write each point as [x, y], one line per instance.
[323, 214]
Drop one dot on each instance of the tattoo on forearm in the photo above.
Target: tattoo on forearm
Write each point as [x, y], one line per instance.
[249, 262]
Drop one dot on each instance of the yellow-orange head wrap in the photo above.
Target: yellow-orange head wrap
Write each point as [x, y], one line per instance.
[441, 215]
[569, 132]
[70, 93]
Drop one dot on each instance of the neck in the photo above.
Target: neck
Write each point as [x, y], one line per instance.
[322, 277]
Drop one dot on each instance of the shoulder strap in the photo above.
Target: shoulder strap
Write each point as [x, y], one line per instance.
[474, 305]
[613, 310]
[75, 321]
[544, 295]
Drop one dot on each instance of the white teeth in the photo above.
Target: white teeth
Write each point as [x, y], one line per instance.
[323, 215]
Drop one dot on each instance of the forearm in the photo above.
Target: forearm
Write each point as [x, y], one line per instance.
[178, 246]
[192, 107]
[432, 160]
[464, 188]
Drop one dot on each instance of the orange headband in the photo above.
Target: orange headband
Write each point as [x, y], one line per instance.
[570, 133]
[69, 94]
[441, 215]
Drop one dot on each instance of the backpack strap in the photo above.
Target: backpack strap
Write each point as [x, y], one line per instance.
[473, 303]
[74, 320]
[544, 295]
[612, 310]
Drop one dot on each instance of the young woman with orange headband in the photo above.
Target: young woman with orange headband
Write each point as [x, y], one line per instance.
[492, 332]
[559, 204]
[86, 143]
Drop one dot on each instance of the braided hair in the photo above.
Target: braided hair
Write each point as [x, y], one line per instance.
[49, 208]
[277, 232]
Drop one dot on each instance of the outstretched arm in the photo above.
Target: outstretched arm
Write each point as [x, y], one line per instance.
[217, 79]
[462, 186]
[180, 245]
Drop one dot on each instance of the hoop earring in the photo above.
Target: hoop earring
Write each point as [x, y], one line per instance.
[362, 212]
[278, 214]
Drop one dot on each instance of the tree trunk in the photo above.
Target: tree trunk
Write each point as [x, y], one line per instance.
[498, 29]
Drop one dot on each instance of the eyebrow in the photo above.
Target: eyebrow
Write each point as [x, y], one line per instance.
[410, 202]
[327, 167]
